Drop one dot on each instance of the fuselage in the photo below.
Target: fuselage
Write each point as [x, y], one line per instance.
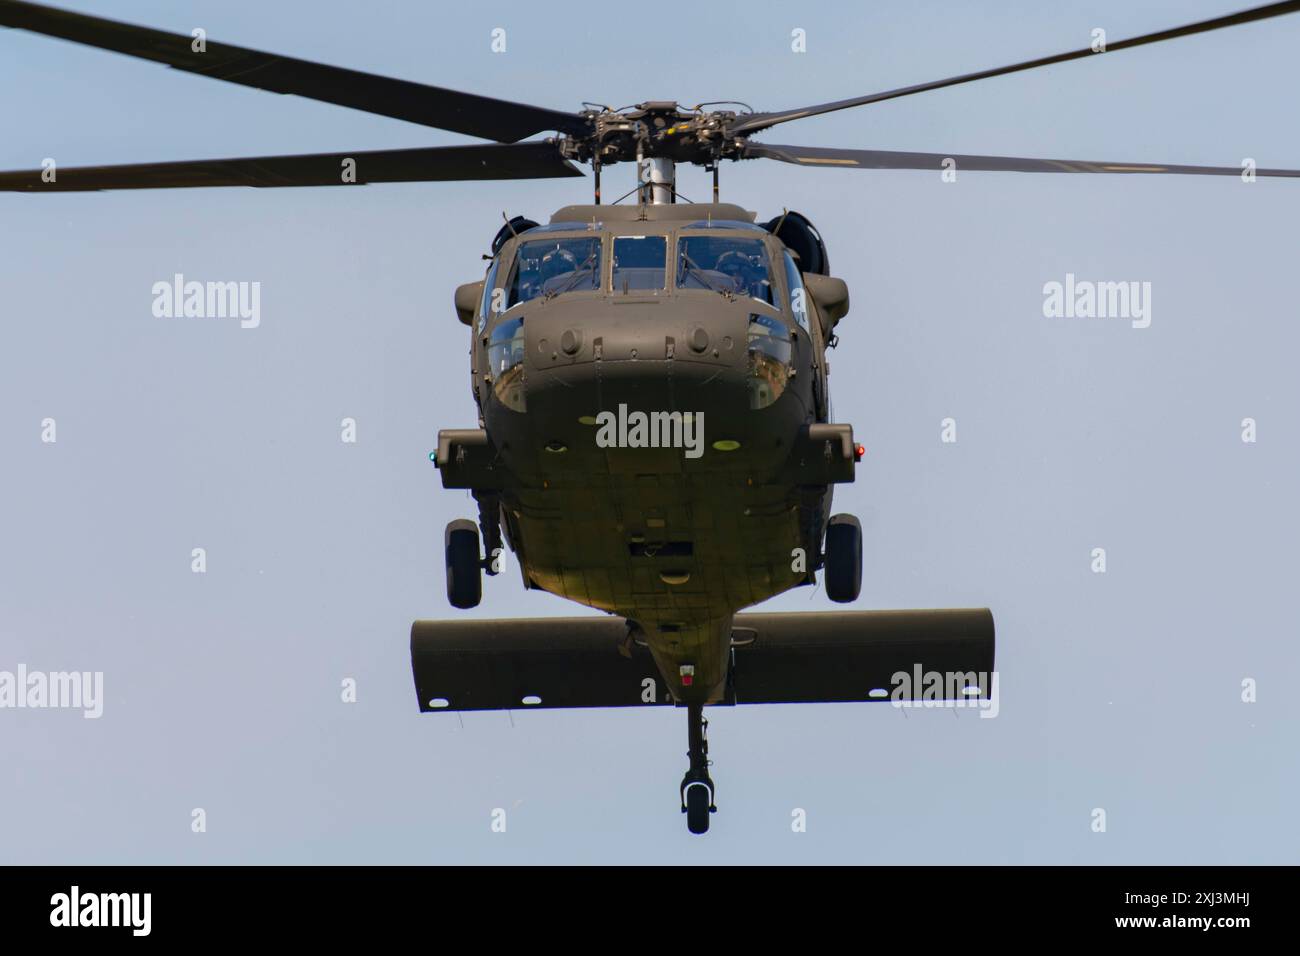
[647, 377]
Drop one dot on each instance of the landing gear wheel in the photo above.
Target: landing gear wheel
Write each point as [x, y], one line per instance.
[697, 789]
[464, 567]
[699, 804]
[843, 559]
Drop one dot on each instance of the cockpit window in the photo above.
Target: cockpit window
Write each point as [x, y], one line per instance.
[491, 294]
[587, 225]
[798, 295]
[724, 224]
[731, 264]
[639, 263]
[554, 266]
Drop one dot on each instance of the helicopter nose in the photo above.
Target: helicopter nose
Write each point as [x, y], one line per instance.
[684, 368]
[639, 355]
[727, 367]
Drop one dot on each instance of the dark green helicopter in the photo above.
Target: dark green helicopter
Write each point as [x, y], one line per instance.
[654, 435]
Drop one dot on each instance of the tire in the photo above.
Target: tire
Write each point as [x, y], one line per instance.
[843, 559]
[698, 798]
[464, 567]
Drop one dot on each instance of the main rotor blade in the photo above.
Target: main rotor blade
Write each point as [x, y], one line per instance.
[754, 122]
[535, 160]
[434, 106]
[889, 159]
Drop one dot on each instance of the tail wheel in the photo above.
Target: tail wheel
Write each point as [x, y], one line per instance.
[699, 800]
[464, 566]
[843, 559]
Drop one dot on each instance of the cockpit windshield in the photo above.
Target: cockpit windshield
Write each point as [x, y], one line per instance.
[639, 262]
[730, 264]
[553, 266]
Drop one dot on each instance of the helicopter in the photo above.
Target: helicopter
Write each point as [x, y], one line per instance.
[654, 432]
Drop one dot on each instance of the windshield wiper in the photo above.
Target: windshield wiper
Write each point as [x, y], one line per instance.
[578, 273]
[703, 278]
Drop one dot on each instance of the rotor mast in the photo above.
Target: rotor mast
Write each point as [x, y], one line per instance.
[656, 170]
[661, 181]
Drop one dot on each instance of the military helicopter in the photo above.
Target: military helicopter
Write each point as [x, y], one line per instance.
[654, 437]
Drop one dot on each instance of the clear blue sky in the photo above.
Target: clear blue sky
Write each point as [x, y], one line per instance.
[1119, 691]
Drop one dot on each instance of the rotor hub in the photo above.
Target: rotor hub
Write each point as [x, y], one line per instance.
[652, 130]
